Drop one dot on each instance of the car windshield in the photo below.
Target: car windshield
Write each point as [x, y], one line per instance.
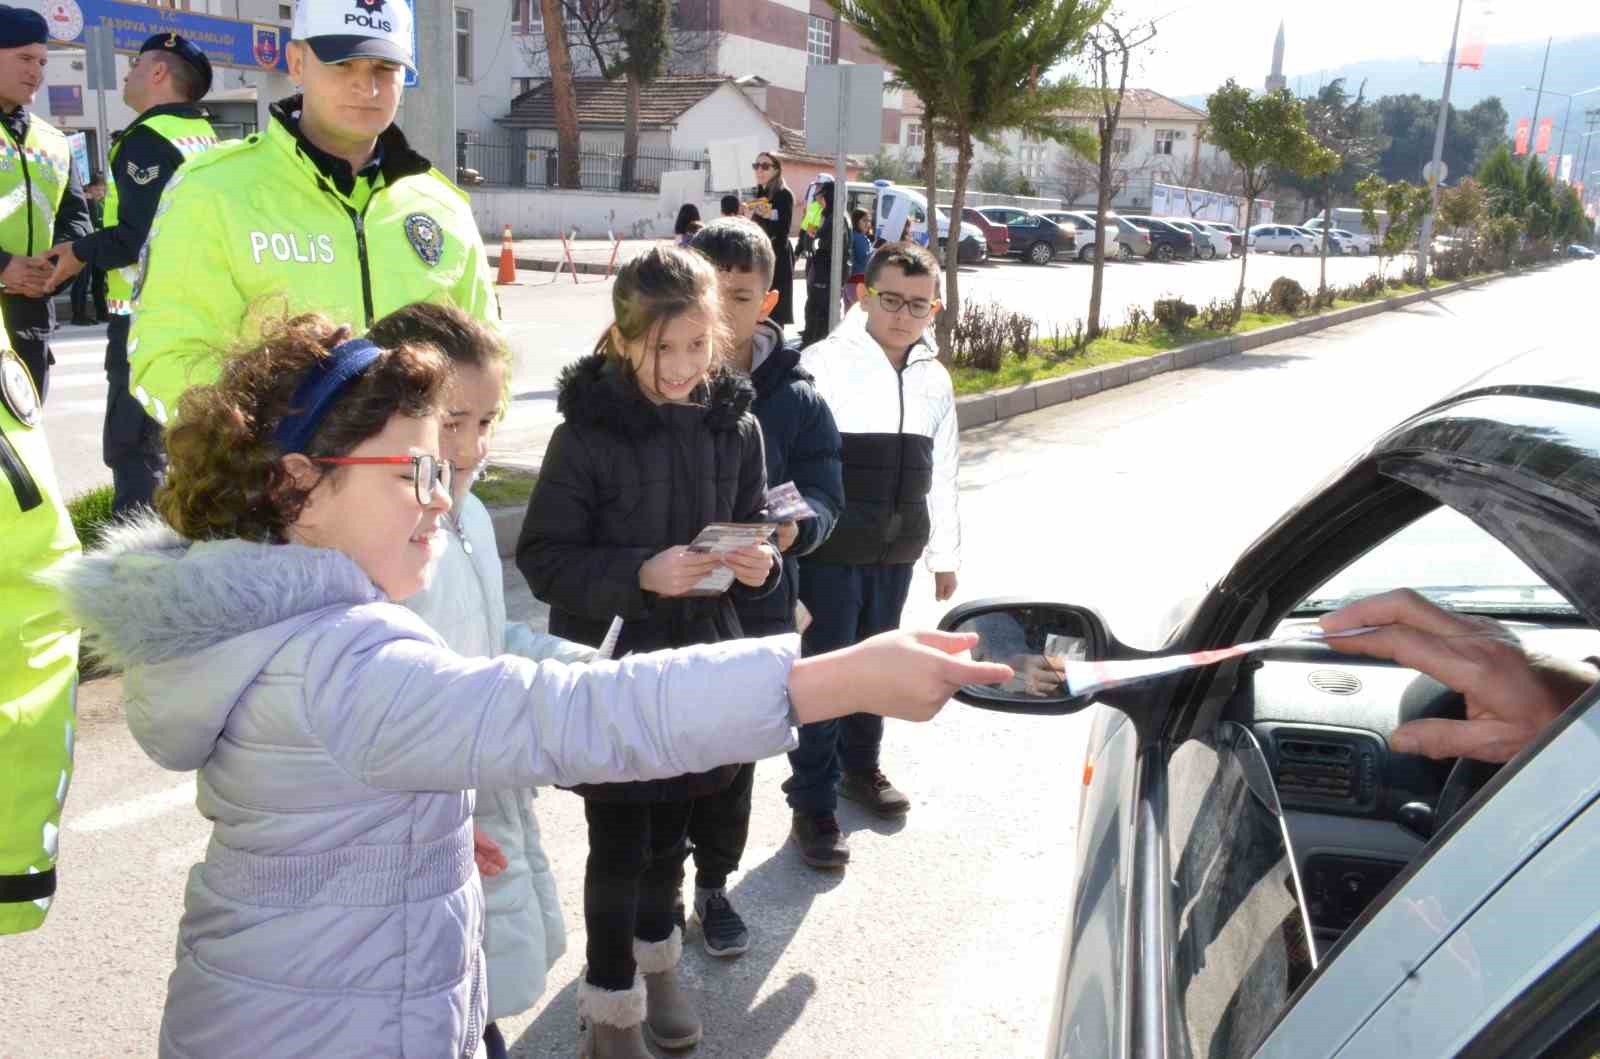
[1449, 559]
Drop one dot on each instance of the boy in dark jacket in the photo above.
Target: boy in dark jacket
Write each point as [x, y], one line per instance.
[802, 446]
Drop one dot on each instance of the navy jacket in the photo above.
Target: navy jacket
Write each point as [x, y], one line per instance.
[802, 446]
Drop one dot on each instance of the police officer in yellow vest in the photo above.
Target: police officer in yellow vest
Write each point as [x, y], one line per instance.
[327, 210]
[165, 82]
[38, 658]
[41, 199]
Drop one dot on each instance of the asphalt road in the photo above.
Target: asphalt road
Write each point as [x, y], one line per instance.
[551, 321]
[943, 937]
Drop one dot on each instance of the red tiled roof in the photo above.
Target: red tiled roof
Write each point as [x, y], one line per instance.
[1143, 104]
[602, 103]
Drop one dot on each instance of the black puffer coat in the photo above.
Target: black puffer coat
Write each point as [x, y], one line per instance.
[622, 480]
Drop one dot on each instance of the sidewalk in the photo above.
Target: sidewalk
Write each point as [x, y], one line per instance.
[589, 255]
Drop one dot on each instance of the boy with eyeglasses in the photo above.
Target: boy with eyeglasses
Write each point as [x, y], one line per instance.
[895, 409]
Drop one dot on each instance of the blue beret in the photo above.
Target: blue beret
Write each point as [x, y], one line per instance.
[184, 49]
[20, 27]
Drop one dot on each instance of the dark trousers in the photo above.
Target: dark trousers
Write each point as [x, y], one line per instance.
[631, 883]
[719, 827]
[90, 281]
[30, 322]
[848, 604]
[130, 442]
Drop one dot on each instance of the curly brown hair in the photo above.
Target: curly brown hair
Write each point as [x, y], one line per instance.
[225, 475]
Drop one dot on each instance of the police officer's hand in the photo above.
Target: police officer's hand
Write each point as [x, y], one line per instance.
[67, 265]
[28, 276]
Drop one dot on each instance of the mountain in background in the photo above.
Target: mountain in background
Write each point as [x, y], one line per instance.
[1574, 67]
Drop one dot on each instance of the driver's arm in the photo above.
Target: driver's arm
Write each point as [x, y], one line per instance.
[1510, 694]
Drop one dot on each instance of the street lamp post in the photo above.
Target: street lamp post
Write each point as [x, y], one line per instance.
[1570, 96]
[1426, 239]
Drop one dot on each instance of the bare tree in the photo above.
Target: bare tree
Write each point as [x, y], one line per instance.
[1080, 176]
[563, 94]
[1110, 53]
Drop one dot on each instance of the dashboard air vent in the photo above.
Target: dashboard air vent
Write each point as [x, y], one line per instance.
[1335, 681]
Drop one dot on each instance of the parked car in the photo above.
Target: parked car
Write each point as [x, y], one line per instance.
[1235, 237]
[1132, 241]
[1259, 872]
[997, 235]
[1084, 223]
[1034, 237]
[1282, 239]
[1358, 242]
[1579, 250]
[1166, 242]
[1352, 220]
[1207, 242]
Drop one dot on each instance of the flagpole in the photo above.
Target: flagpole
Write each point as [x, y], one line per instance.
[1533, 127]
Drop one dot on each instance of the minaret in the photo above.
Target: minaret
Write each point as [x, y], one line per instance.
[1275, 79]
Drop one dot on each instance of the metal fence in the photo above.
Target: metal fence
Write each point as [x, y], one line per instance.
[530, 159]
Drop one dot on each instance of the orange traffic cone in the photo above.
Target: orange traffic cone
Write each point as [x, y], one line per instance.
[508, 260]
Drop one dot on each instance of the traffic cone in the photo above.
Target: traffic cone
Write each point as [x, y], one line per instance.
[508, 260]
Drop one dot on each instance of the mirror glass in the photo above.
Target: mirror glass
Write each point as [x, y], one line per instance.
[1034, 641]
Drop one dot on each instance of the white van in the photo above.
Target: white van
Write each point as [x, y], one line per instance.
[884, 199]
[1351, 220]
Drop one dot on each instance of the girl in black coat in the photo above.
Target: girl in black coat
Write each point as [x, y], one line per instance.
[775, 218]
[657, 442]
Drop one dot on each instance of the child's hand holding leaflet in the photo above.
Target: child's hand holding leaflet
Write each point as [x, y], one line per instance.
[722, 537]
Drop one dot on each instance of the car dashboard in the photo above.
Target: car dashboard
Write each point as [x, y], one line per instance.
[1357, 813]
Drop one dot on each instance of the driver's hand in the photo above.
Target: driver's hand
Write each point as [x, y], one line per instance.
[1510, 694]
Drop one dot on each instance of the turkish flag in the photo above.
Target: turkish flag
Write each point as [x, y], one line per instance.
[1542, 144]
[1552, 168]
[1524, 126]
[1470, 57]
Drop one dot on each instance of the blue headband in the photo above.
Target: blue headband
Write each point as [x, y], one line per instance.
[319, 389]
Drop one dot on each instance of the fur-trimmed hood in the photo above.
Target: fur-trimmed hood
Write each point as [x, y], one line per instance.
[595, 392]
[191, 624]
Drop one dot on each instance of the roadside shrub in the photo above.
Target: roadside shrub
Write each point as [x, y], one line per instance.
[978, 339]
[90, 512]
[1411, 277]
[1371, 287]
[1323, 298]
[1286, 296]
[1137, 325]
[1019, 328]
[1174, 314]
[1066, 343]
[1217, 315]
[1260, 301]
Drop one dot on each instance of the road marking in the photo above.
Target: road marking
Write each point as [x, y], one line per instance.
[75, 382]
[135, 810]
[98, 360]
[62, 409]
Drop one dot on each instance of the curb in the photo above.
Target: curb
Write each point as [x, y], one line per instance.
[993, 406]
[540, 264]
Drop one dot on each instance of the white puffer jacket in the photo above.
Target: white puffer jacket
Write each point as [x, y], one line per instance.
[466, 605]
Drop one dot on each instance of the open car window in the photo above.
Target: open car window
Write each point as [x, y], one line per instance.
[1241, 942]
[1452, 561]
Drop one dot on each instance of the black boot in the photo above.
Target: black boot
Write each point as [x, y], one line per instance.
[873, 790]
[822, 844]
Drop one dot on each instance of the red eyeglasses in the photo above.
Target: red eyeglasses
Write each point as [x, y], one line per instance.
[431, 475]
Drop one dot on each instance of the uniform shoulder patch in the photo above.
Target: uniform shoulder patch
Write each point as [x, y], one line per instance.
[426, 238]
[143, 175]
[17, 389]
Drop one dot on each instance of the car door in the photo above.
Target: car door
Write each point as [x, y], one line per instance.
[1162, 958]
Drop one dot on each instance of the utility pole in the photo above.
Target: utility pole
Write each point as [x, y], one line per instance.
[1533, 126]
[428, 113]
[1434, 180]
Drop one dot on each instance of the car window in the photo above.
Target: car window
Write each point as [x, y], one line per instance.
[1242, 943]
[1451, 560]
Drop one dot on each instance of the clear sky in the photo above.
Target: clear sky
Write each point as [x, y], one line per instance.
[1201, 43]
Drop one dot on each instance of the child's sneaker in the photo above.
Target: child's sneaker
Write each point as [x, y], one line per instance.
[721, 929]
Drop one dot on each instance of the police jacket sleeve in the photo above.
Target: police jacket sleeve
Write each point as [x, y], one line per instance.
[475, 295]
[399, 712]
[188, 305]
[814, 464]
[72, 216]
[144, 155]
[943, 553]
[750, 505]
[557, 552]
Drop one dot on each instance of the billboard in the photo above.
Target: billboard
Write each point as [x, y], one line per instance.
[226, 41]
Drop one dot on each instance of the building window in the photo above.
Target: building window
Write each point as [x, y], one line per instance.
[1165, 138]
[1122, 142]
[819, 41]
[463, 44]
[520, 85]
[285, 13]
[913, 134]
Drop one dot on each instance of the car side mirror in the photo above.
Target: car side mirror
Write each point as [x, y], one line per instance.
[1034, 639]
